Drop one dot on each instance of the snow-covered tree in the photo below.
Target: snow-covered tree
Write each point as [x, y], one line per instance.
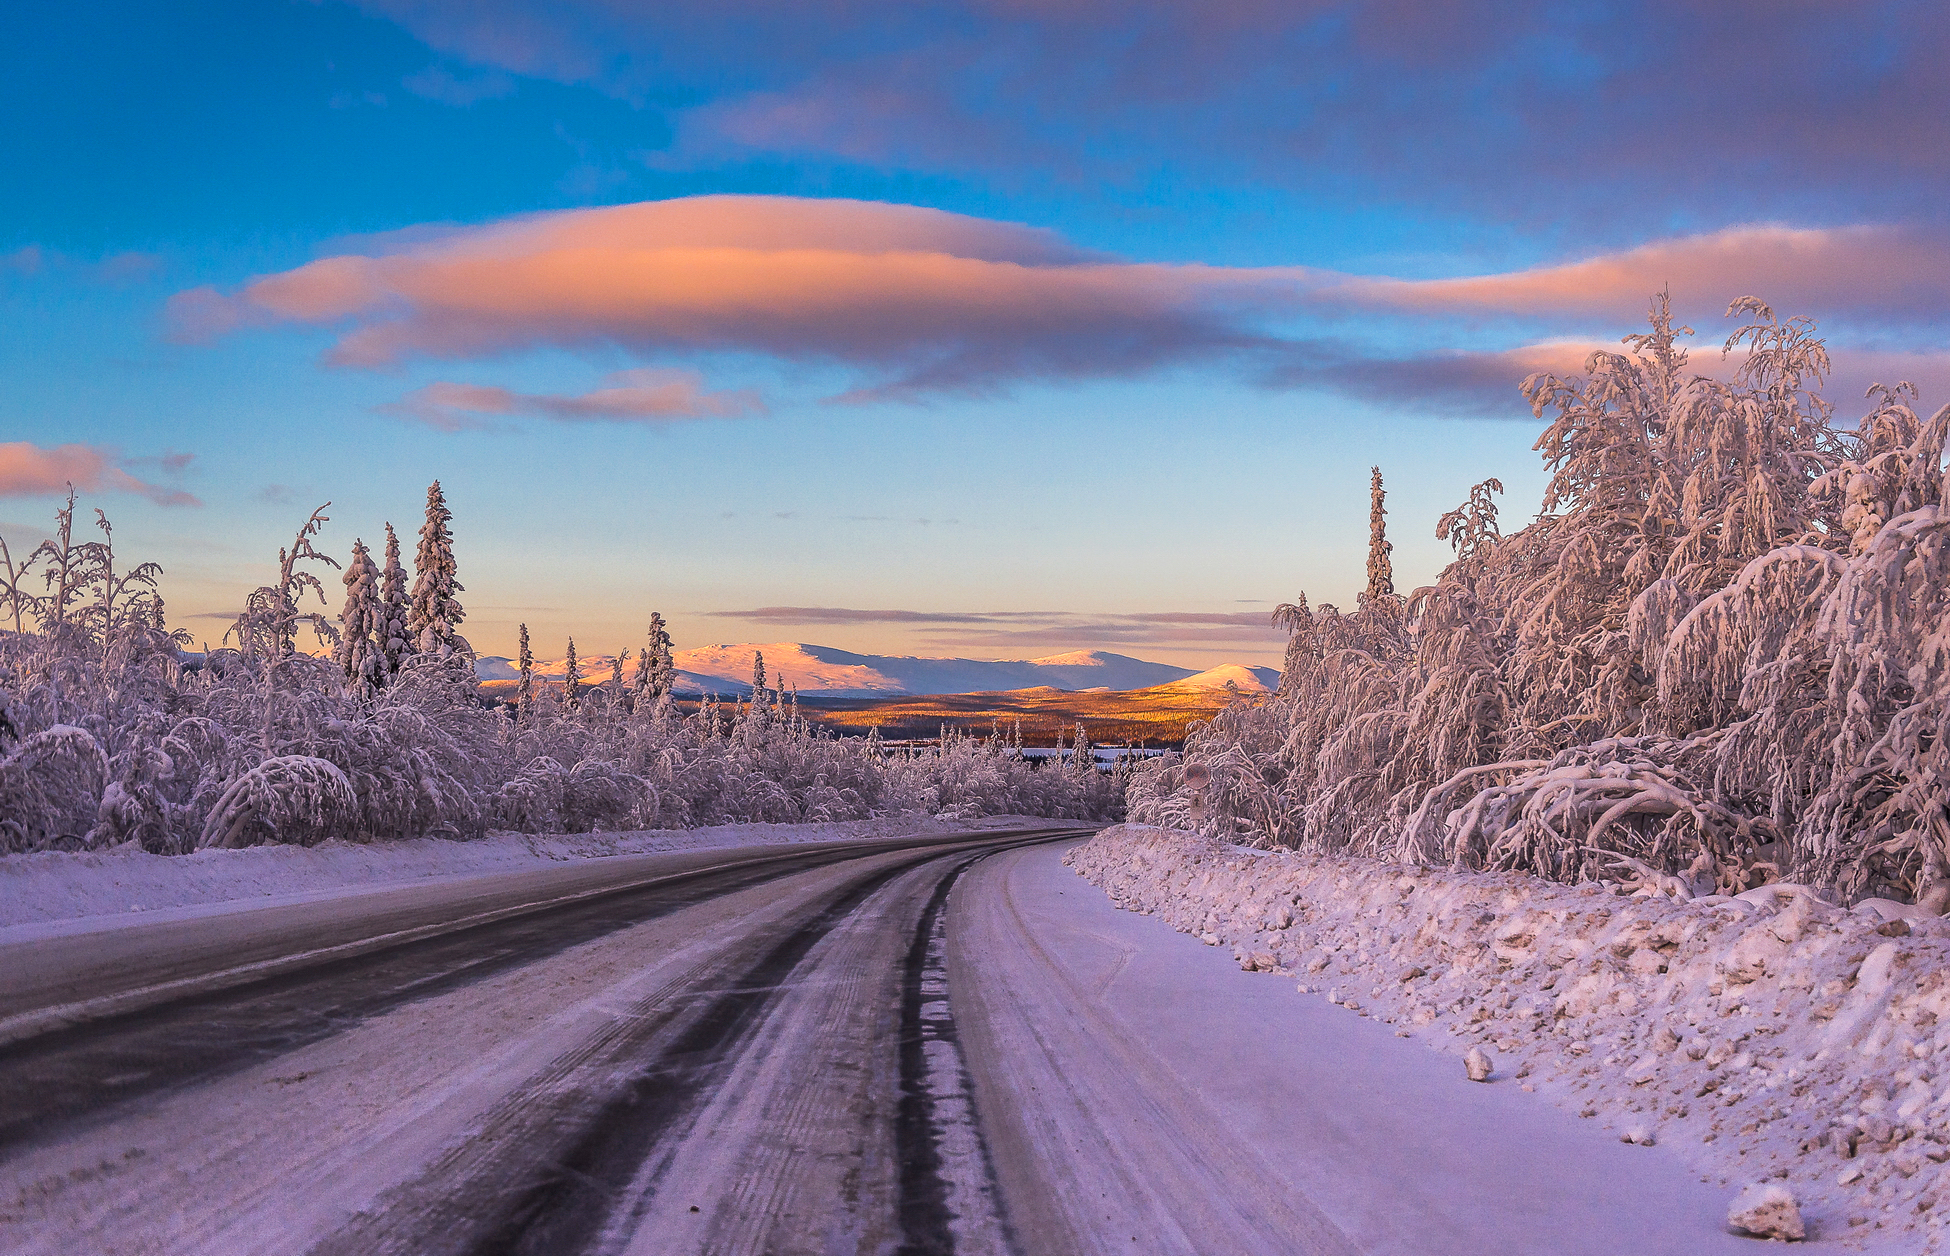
[525, 685]
[389, 630]
[1381, 566]
[572, 679]
[268, 628]
[358, 654]
[1713, 659]
[435, 614]
[663, 668]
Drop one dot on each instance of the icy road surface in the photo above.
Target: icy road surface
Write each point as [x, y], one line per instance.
[955, 1045]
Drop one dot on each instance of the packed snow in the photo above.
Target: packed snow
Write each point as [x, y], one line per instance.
[1771, 1039]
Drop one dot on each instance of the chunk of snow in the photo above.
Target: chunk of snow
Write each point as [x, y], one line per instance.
[1767, 1210]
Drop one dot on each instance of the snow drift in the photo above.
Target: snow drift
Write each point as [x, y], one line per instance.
[1766, 1038]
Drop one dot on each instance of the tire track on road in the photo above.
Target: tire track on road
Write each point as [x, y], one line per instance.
[67, 1079]
[594, 1162]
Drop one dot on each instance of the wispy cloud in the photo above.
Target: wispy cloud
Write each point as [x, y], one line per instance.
[114, 269]
[846, 615]
[1864, 271]
[28, 470]
[645, 395]
[1612, 109]
[459, 89]
[1013, 628]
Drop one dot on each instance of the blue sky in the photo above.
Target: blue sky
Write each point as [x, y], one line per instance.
[1095, 311]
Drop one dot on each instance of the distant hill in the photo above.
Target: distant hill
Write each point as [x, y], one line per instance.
[1245, 679]
[825, 671]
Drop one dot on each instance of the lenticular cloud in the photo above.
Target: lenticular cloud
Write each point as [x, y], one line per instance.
[924, 299]
[916, 301]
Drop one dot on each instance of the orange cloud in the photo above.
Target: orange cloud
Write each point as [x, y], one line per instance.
[1881, 270]
[922, 301]
[938, 300]
[27, 470]
[646, 395]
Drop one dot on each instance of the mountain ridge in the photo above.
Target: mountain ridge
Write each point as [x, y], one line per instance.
[832, 672]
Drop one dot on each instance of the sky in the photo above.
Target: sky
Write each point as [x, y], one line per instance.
[992, 328]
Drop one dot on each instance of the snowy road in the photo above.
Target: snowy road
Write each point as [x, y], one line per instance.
[761, 1055]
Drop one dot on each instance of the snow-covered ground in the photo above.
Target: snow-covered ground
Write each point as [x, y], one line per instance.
[61, 886]
[1772, 1038]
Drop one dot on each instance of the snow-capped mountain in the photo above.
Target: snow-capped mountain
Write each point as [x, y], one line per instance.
[824, 670]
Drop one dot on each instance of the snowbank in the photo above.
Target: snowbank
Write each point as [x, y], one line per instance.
[58, 885]
[1767, 1039]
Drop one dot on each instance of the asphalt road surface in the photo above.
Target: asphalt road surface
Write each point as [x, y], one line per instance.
[943, 1045]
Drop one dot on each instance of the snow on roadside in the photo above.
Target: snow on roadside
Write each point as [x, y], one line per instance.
[1770, 1038]
[61, 886]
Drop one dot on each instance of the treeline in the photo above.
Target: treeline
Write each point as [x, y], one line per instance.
[112, 733]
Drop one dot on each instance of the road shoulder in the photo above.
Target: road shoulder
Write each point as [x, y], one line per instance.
[1101, 1036]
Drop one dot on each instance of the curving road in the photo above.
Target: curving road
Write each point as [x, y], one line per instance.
[753, 1055]
[949, 1045]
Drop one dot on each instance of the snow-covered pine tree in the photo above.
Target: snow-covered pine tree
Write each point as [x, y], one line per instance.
[572, 679]
[357, 653]
[1083, 759]
[616, 676]
[663, 673]
[389, 632]
[525, 687]
[758, 683]
[1381, 568]
[640, 682]
[434, 614]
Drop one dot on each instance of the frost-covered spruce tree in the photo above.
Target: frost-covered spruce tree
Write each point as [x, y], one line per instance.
[572, 679]
[389, 632]
[525, 687]
[663, 667]
[1381, 566]
[435, 615]
[358, 654]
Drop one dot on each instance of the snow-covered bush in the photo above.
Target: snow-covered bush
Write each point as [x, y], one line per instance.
[111, 734]
[1717, 657]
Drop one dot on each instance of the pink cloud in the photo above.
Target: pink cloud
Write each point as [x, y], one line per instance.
[920, 301]
[1877, 270]
[27, 470]
[938, 300]
[638, 396]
